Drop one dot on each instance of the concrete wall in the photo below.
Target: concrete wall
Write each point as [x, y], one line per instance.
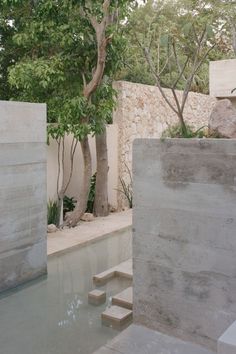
[184, 244]
[22, 192]
[227, 342]
[143, 113]
[76, 181]
[223, 78]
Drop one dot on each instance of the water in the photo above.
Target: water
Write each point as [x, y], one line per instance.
[52, 316]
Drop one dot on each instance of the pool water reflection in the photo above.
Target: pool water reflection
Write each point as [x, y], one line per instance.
[52, 316]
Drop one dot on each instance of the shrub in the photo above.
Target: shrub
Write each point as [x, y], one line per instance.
[127, 187]
[68, 204]
[53, 212]
[175, 131]
[91, 196]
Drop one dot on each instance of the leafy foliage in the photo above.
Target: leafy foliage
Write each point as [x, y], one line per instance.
[175, 131]
[91, 197]
[53, 212]
[68, 204]
[58, 52]
[158, 23]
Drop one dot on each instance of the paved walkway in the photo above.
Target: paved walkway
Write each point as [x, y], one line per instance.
[88, 232]
[141, 340]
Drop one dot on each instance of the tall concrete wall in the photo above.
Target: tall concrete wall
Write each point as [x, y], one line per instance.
[184, 244]
[23, 211]
[143, 113]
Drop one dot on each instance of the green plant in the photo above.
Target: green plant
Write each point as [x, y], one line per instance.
[91, 196]
[53, 212]
[127, 187]
[175, 131]
[68, 204]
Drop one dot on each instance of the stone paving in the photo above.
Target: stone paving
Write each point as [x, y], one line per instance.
[88, 232]
[141, 340]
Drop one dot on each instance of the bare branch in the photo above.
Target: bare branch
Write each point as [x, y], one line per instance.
[181, 70]
[181, 74]
[158, 81]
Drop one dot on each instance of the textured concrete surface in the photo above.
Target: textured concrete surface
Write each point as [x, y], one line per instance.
[227, 342]
[141, 340]
[22, 192]
[184, 244]
[222, 78]
[86, 233]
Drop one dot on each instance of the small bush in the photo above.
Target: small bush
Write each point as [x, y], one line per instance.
[53, 212]
[175, 131]
[68, 204]
[91, 196]
[127, 188]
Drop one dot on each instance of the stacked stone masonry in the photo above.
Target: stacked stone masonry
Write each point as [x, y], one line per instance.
[143, 113]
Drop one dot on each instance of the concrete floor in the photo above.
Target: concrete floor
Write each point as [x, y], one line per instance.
[141, 340]
[88, 232]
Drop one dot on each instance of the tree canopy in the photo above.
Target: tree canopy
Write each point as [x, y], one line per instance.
[157, 23]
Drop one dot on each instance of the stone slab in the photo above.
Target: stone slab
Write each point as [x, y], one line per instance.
[96, 297]
[141, 340]
[124, 298]
[116, 317]
[124, 269]
[227, 342]
[65, 240]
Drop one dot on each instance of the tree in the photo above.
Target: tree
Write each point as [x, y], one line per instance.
[176, 51]
[153, 21]
[69, 47]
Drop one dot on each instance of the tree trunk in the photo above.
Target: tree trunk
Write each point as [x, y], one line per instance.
[101, 207]
[183, 125]
[82, 199]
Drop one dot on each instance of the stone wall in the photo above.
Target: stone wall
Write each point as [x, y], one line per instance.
[184, 245]
[23, 254]
[143, 113]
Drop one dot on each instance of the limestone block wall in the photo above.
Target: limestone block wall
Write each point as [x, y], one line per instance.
[143, 113]
[184, 244]
[23, 202]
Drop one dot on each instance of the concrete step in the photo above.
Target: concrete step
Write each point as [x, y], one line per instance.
[124, 269]
[141, 340]
[116, 317]
[96, 297]
[124, 299]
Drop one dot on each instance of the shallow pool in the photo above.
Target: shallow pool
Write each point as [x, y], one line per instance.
[52, 316]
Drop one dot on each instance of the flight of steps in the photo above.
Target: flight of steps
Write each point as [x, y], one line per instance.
[119, 314]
